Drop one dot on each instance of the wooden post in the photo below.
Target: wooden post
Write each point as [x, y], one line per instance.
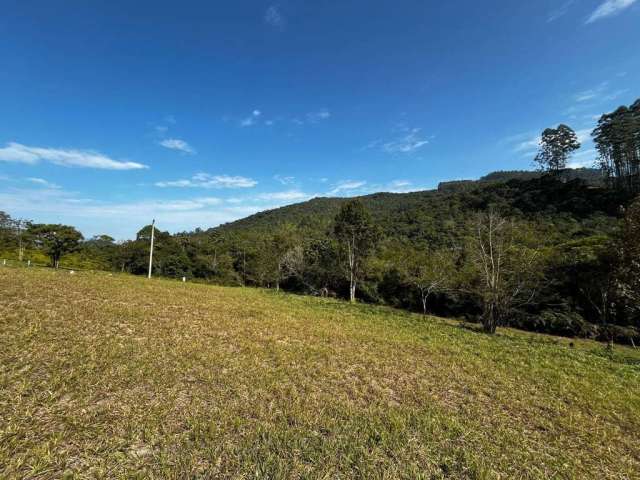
[153, 226]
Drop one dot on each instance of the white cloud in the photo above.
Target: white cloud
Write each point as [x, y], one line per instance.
[400, 186]
[284, 180]
[121, 220]
[584, 135]
[583, 159]
[274, 17]
[409, 142]
[609, 8]
[15, 152]
[177, 144]
[528, 145]
[560, 12]
[42, 182]
[400, 183]
[314, 117]
[617, 94]
[252, 119]
[592, 93]
[205, 180]
[346, 186]
[288, 196]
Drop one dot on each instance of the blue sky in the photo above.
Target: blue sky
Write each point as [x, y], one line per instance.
[199, 112]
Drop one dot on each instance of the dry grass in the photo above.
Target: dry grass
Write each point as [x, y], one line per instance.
[118, 377]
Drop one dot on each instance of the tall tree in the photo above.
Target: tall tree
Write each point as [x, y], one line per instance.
[357, 236]
[556, 146]
[507, 271]
[6, 227]
[628, 277]
[431, 273]
[284, 239]
[55, 240]
[617, 139]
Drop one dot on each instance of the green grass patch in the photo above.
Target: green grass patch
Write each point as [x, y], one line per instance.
[114, 376]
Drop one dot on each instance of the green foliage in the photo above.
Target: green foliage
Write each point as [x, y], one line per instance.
[556, 146]
[55, 240]
[617, 138]
[628, 274]
[356, 236]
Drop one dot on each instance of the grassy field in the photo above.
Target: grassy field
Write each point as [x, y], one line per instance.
[119, 377]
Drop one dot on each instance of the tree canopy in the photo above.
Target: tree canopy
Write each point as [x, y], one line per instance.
[556, 146]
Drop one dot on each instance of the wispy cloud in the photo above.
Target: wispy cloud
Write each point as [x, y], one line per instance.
[528, 145]
[252, 119]
[174, 215]
[408, 143]
[583, 159]
[15, 152]
[346, 186]
[322, 114]
[361, 187]
[205, 180]
[591, 93]
[284, 180]
[288, 196]
[42, 182]
[561, 11]
[609, 8]
[177, 144]
[274, 17]
[400, 186]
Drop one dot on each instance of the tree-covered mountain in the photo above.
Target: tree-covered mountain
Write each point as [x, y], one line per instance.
[432, 215]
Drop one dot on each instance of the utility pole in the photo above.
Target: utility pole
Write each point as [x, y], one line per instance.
[153, 227]
[20, 245]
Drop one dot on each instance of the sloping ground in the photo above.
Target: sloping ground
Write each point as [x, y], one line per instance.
[118, 377]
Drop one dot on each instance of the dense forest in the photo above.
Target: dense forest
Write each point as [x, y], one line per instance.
[555, 251]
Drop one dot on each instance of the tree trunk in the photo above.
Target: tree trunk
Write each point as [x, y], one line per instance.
[424, 306]
[352, 291]
[490, 319]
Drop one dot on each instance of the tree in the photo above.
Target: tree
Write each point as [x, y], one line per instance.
[430, 273]
[55, 240]
[6, 226]
[556, 146]
[357, 237]
[617, 139]
[284, 239]
[628, 275]
[507, 271]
